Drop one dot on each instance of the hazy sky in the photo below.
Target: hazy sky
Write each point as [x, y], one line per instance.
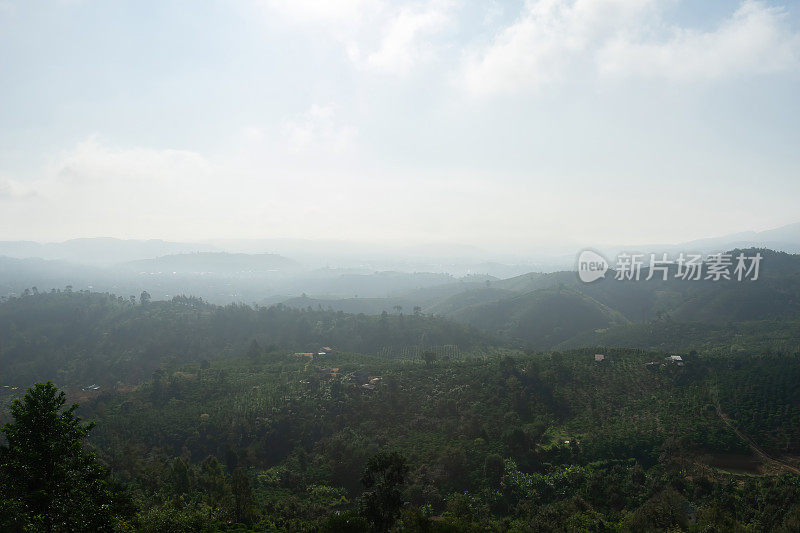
[500, 124]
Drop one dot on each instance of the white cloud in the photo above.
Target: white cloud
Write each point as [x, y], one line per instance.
[342, 17]
[14, 190]
[122, 191]
[270, 176]
[755, 39]
[92, 164]
[384, 36]
[404, 41]
[319, 131]
[95, 189]
[556, 39]
[548, 39]
[395, 157]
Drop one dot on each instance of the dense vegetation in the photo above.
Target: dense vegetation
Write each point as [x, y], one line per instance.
[545, 310]
[531, 442]
[84, 338]
[48, 482]
[556, 310]
[207, 419]
[518, 442]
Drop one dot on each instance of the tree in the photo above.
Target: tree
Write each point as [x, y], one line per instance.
[242, 496]
[429, 357]
[212, 480]
[254, 351]
[144, 298]
[48, 482]
[383, 478]
[344, 521]
[180, 477]
[493, 469]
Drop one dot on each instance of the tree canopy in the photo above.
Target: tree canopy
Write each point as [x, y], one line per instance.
[49, 481]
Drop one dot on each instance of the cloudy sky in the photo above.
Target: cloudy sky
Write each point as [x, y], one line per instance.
[505, 124]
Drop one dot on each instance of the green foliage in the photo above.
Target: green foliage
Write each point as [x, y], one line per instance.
[48, 480]
[349, 521]
[761, 395]
[542, 318]
[484, 439]
[383, 479]
[84, 337]
[228, 432]
[242, 496]
[169, 517]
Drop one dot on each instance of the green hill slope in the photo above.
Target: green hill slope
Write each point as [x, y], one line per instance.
[540, 318]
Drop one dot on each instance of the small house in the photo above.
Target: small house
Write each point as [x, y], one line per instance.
[599, 358]
[326, 373]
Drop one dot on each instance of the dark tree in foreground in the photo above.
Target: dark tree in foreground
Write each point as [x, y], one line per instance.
[48, 482]
[383, 480]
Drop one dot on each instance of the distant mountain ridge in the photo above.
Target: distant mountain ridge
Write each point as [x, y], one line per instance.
[101, 251]
[536, 309]
[453, 258]
[546, 310]
[214, 262]
[788, 234]
[782, 239]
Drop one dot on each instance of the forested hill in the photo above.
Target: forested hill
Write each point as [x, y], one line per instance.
[220, 426]
[84, 337]
[775, 294]
[545, 310]
[536, 442]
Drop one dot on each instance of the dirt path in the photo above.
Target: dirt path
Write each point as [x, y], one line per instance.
[753, 446]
